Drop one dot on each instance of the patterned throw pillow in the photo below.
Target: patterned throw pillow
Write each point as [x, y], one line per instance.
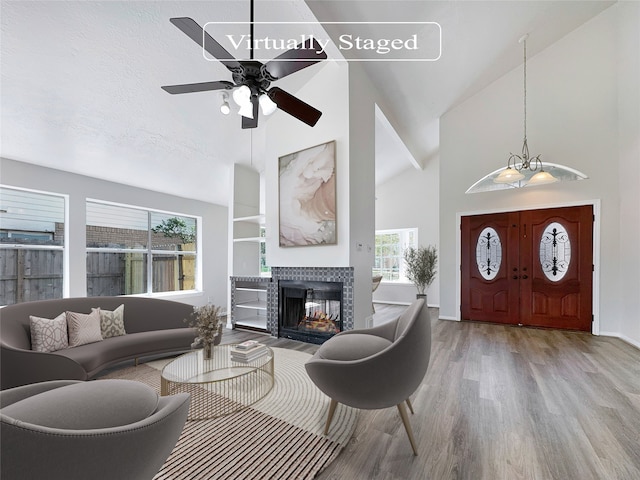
[111, 323]
[48, 335]
[83, 328]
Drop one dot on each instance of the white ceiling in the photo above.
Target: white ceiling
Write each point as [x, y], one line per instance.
[81, 82]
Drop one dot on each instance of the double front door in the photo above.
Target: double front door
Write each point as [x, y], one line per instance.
[531, 267]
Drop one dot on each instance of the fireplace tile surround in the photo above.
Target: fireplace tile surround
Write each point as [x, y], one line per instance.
[344, 275]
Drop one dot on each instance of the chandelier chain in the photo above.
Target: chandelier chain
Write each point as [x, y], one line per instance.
[525, 89]
[517, 163]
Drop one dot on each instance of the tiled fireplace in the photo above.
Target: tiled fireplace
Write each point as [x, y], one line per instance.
[310, 304]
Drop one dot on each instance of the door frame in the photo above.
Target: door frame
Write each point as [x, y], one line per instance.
[595, 301]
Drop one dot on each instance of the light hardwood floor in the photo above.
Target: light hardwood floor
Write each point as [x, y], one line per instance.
[502, 402]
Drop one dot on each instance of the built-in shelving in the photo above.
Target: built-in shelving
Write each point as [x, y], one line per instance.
[253, 323]
[248, 292]
[253, 305]
[259, 219]
[249, 302]
[247, 229]
[249, 239]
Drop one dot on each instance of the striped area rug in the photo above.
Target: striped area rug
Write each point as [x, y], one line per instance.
[281, 436]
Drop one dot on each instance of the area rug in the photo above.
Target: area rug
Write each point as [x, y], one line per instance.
[281, 436]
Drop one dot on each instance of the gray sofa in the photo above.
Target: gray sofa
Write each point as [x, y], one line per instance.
[153, 327]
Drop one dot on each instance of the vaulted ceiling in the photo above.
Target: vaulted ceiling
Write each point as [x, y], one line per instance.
[81, 81]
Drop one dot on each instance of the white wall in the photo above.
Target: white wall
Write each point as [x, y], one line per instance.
[361, 189]
[409, 200]
[628, 59]
[347, 99]
[79, 188]
[328, 92]
[573, 119]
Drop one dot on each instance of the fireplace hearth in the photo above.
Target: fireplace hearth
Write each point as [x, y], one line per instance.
[310, 311]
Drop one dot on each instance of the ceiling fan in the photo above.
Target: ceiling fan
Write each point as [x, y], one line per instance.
[254, 75]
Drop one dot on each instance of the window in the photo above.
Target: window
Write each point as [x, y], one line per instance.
[390, 246]
[488, 253]
[265, 270]
[32, 245]
[555, 251]
[131, 250]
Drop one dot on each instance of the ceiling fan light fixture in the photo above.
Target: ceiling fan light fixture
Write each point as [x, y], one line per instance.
[267, 105]
[225, 109]
[242, 96]
[246, 110]
[252, 77]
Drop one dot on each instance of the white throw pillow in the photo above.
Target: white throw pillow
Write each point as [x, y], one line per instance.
[48, 335]
[83, 328]
[111, 322]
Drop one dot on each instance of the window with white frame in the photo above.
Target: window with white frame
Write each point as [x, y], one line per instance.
[132, 250]
[265, 270]
[389, 253]
[32, 245]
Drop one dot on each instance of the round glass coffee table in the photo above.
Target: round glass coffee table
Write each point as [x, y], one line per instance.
[219, 386]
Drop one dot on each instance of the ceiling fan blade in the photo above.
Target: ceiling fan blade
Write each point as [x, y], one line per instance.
[197, 87]
[196, 33]
[294, 106]
[295, 59]
[252, 122]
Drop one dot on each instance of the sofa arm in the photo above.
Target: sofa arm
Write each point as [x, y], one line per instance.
[21, 367]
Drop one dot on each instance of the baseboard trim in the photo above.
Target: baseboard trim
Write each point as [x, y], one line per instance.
[390, 302]
[624, 338]
[445, 317]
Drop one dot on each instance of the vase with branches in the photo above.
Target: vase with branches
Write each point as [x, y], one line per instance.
[421, 266]
[207, 322]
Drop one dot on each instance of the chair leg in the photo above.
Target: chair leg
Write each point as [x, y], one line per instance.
[332, 410]
[407, 426]
[410, 406]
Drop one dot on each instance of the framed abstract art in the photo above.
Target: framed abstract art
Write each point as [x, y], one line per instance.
[307, 196]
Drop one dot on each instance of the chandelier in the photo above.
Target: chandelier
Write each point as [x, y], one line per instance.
[516, 163]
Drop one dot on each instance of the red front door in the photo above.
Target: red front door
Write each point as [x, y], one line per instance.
[532, 267]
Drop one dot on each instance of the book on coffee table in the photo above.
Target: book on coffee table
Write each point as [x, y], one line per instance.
[247, 345]
[248, 354]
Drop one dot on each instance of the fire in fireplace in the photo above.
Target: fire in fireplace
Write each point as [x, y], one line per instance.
[309, 311]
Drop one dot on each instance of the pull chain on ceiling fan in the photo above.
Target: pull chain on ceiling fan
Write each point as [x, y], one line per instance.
[251, 78]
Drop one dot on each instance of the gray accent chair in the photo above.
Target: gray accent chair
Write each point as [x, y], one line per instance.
[378, 367]
[102, 429]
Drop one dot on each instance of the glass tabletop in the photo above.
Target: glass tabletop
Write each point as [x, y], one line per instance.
[193, 368]
[220, 385]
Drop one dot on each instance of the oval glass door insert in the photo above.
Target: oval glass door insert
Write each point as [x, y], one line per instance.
[488, 253]
[555, 251]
